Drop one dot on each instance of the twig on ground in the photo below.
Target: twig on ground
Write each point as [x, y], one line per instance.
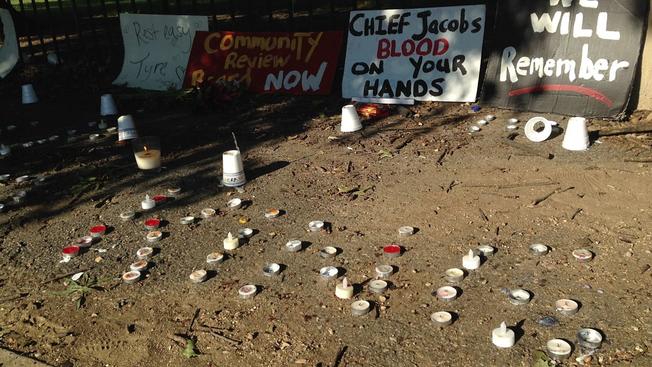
[513, 186]
[339, 356]
[543, 198]
[640, 128]
[527, 150]
[218, 335]
[577, 211]
[641, 160]
[483, 215]
[441, 157]
[192, 321]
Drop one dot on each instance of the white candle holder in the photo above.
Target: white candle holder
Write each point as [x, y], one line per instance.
[147, 151]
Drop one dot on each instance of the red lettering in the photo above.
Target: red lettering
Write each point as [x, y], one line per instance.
[420, 50]
[443, 42]
[383, 49]
[407, 48]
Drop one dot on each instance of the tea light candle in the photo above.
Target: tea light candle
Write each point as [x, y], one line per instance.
[4, 177]
[446, 293]
[215, 258]
[174, 191]
[482, 122]
[148, 203]
[207, 213]
[454, 275]
[471, 261]
[246, 232]
[231, 242]
[558, 349]
[538, 249]
[474, 129]
[513, 121]
[328, 252]
[69, 252]
[2, 207]
[235, 203]
[487, 250]
[271, 269]
[187, 220]
[127, 215]
[519, 296]
[84, 242]
[154, 236]
[198, 276]
[272, 213]
[360, 308]
[293, 246]
[442, 318]
[583, 255]
[144, 253]
[98, 231]
[344, 290]
[140, 265]
[328, 272]
[148, 158]
[490, 117]
[503, 337]
[315, 226]
[93, 137]
[131, 277]
[152, 224]
[384, 271]
[22, 179]
[406, 231]
[247, 291]
[511, 127]
[377, 286]
[589, 339]
[392, 250]
[567, 307]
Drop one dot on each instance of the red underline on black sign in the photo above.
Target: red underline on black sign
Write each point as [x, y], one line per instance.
[564, 88]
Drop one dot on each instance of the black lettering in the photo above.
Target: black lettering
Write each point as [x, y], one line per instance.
[352, 29]
[380, 20]
[368, 87]
[424, 25]
[458, 64]
[454, 25]
[444, 66]
[439, 90]
[417, 66]
[464, 24]
[428, 66]
[403, 88]
[420, 88]
[392, 28]
[477, 25]
[386, 89]
[377, 69]
[359, 68]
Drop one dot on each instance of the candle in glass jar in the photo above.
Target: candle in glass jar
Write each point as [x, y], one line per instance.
[148, 158]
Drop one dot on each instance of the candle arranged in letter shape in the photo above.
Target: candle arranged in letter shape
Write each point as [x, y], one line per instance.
[471, 261]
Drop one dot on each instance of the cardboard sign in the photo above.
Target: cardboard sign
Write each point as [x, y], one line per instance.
[8, 50]
[428, 54]
[565, 56]
[296, 63]
[157, 49]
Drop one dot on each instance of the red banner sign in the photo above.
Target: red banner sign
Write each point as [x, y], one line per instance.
[267, 62]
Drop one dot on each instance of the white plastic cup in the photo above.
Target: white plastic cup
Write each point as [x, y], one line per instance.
[28, 94]
[576, 137]
[107, 105]
[232, 170]
[126, 128]
[350, 119]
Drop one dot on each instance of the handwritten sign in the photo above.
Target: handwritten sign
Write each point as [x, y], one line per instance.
[267, 62]
[575, 57]
[157, 49]
[8, 50]
[427, 54]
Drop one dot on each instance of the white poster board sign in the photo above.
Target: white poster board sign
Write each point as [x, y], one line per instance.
[9, 49]
[426, 54]
[157, 48]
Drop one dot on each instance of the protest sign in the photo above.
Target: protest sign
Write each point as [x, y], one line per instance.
[575, 57]
[427, 54]
[8, 49]
[157, 49]
[267, 62]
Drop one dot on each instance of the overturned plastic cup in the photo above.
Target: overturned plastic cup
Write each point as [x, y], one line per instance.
[233, 174]
[576, 137]
[350, 119]
[28, 95]
[107, 105]
[126, 128]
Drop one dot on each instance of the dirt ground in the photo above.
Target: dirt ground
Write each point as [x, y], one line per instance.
[421, 169]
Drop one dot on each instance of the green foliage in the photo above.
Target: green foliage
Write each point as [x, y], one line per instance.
[189, 351]
[80, 288]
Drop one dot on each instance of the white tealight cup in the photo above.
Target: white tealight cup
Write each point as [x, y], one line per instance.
[360, 308]
[107, 105]
[350, 119]
[576, 137]
[442, 318]
[503, 337]
[232, 169]
[558, 349]
[126, 128]
[28, 95]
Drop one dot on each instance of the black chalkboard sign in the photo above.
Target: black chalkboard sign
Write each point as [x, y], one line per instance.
[573, 57]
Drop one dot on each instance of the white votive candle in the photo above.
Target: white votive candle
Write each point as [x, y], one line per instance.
[344, 290]
[148, 159]
[503, 337]
[148, 203]
[558, 349]
[471, 261]
[231, 242]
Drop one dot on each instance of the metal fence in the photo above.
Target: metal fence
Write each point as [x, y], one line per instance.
[71, 28]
